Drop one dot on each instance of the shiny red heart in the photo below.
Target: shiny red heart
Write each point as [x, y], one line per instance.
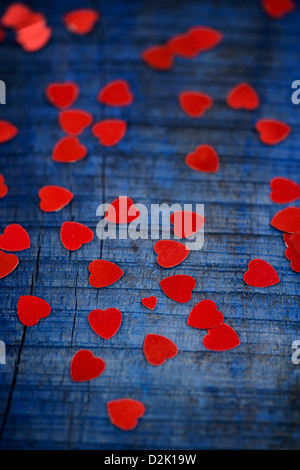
[54, 198]
[287, 220]
[85, 366]
[284, 190]
[150, 302]
[194, 103]
[122, 211]
[105, 323]
[243, 96]
[34, 36]
[7, 131]
[278, 8]
[125, 413]
[3, 187]
[116, 93]
[272, 131]
[186, 223]
[62, 95]
[73, 235]
[81, 21]
[14, 238]
[69, 150]
[104, 273]
[8, 264]
[222, 338]
[294, 257]
[109, 131]
[170, 253]
[74, 121]
[158, 349]
[179, 287]
[204, 159]
[159, 57]
[260, 274]
[16, 15]
[296, 242]
[205, 316]
[31, 309]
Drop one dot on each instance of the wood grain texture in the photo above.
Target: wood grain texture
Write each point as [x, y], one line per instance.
[244, 399]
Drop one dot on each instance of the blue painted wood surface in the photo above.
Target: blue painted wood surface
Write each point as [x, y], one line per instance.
[246, 398]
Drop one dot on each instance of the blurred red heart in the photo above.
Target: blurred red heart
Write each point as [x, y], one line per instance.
[260, 274]
[170, 253]
[16, 15]
[186, 223]
[85, 366]
[104, 273]
[74, 121]
[287, 220]
[179, 287]
[158, 349]
[73, 235]
[33, 37]
[159, 57]
[284, 190]
[296, 242]
[222, 338]
[14, 238]
[31, 309]
[81, 21]
[8, 263]
[194, 103]
[205, 315]
[278, 8]
[122, 211]
[54, 198]
[243, 96]
[124, 413]
[272, 131]
[110, 131]
[62, 95]
[150, 302]
[3, 187]
[204, 159]
[105, 323]
[7, 131]
[196, 40]
[116, 93]
[69, 150]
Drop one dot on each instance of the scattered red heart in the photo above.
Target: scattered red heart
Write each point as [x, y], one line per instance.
[62, 95]
[105, 323]
[284, 190]
[125, 413]
[31, 309]
[205, 316]
[170, 253]
[109, 131]
[104, 273]
[73, 235]
[150, 302]
[122, 211]
[81, 21]
[74, 121]
[278, 8]
[158, 349]
[287, 220]
[222, 338]
[260, 274]
[243, 96]
[8, 263]
[159, 57]
[272, 132]
[7, 131]
[14, 238]
[186, 223]
[116, 93]
[54, 198]
[3, 187]
[179, 287]
[85, 366]
[194, 103]
[69, 150]
[204, 159]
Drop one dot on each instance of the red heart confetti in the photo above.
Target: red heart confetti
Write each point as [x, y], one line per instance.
[69, 150]
[292, 255]
[204, 159]
[8, 263]
[198, 39]
[287, 237]
[81, 21]
[186, 223]
[150, 302]
[73, 235]
[159, 57]
[287, 220]
[284, 190]
[7, 131]
[116, 93]
[222, 338]
[31, 309]
[122, 211]
[62, 95]
[3, 187]
[205, 316]
[170, 253]
[85, 366]
[125, 413]
[272, 132]
[260, 274]
[278, 8]
[14, 238]
[74, 121]
[109, 131]
[104, 273]
[2, 34]
[194, 103]
[16, 15]
[296, 242]
[179, 287]
[54, 198]
[243, 96]
[35, 36]
[105, 323]
[158, 349]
